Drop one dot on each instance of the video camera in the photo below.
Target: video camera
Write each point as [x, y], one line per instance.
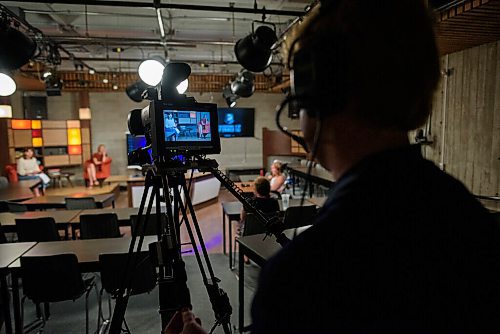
[174, 124]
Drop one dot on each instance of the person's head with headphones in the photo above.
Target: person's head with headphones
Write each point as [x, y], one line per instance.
[364, 73]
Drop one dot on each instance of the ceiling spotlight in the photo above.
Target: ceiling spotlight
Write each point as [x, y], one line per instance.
[14, 57]
[243, 85]
[115, 87]
[7, 85]
[105, 81]
[254, 51]
[53, 86]
[230, 98]
[136, 90]
[46, 74]
[174, 80]
[151, 71]
[91, 71]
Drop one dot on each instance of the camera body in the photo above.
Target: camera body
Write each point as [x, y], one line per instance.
[183, 127]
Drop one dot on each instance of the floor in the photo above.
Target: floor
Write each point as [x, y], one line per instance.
[142, 315]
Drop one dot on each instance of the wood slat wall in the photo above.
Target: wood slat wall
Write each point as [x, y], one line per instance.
[469, 119]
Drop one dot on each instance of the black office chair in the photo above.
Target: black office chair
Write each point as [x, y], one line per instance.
[252, 226]
[150, 229]
[37, 229]
[56, 278]
[98, 226]
[81, 203]
[112, 266]
[3, 239]
[297, 216]
[16, 207]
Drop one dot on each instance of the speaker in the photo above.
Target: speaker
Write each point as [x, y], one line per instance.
[35, 107]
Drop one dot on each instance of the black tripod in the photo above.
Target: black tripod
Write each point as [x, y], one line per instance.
[166, 252]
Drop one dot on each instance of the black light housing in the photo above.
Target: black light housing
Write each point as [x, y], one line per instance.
[230, 98]
[53, 85]
[254, 51]
[243, 85]
[136, 90]
[17, 48]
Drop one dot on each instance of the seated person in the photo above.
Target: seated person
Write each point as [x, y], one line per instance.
[277, 178]
[262, 199]
[203, 127]
[95, 164]
[171, 130]
[29, 169]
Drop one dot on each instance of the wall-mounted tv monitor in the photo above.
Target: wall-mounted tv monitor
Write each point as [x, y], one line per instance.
[236, 122]
[134, 143]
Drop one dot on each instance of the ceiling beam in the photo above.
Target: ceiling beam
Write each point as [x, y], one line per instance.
[80, 40]
[136, 4]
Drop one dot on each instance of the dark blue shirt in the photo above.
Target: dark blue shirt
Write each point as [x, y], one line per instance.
[399, 247]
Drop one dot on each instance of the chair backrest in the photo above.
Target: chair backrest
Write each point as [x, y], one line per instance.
[297, 216]
[4, 182]
[81, 203]
[37, 229]
[253, 225]
[51, 278]
[496, 217]
[150, 229]
[16, 207]
[113, 265]
[3, 239]
[98, 226]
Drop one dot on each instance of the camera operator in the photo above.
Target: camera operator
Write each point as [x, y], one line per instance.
[399, 246]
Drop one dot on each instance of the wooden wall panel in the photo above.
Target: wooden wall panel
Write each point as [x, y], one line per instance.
[55, 137]
[56, 160]
[53, 124]
[75, 159]
[22, 138]
[471, 146]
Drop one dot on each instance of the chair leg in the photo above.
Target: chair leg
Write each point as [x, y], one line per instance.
[87, 310]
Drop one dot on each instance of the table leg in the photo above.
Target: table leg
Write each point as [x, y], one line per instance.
[6, 306]
[69, 181]
[230, 236]
[241, 290]
[16, 304]
[224, 232]
[113, 204]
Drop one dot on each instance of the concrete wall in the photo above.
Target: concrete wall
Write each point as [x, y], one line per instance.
[109, 124]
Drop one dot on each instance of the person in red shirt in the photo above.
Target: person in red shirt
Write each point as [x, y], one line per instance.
[94, 164]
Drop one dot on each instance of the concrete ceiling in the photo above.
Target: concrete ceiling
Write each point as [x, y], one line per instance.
[198, 37]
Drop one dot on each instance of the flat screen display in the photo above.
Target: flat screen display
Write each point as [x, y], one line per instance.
[134, 143]
[236, 122]
[187, 126]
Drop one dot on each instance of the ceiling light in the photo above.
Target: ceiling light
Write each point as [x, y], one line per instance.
[105, 81]
[46, 74]
[7, 85]
[115, 87]
[136, 90]
[14, 57]
[243, 85]
[183, 86]
[254, 51]
[91, 71]
[151, 71]
[230, 98]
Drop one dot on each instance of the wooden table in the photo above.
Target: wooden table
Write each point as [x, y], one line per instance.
[58, 202]
[246, 187]
[258, 249]
[62, 217]
[8, 254]
[18, 191]
[87, 252]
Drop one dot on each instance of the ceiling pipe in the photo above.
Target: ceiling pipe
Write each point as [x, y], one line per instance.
[136, 4]
[130, 41]
[191, 61]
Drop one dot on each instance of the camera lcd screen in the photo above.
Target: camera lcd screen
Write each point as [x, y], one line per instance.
[187, 126]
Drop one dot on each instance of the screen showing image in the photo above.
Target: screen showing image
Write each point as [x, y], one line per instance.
[236, 122]
[134, 143]
[187, 126]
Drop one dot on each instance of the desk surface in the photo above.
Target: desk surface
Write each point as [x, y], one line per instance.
[246, 187]
[59, 201]
[137, 177]
[61, 216]
[122, 213]
[18, 191]
[260, 250]
[87, 251]
[10, 252]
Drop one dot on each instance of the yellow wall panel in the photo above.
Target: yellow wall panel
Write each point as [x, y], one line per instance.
[36, 124]
[74, 137]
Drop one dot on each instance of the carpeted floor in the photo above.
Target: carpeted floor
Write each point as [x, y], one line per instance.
[142, 315]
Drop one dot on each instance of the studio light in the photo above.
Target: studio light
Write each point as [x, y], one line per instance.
[151, 71]
[254, 51]
[135, 91]
[17, 48]
[183, 86]
[243, 85]
[53, 86]
[174, 80]
[230, 98]
[7, 85]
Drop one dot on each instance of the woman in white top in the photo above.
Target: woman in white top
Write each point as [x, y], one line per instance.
[277, 179]
[28, 169]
